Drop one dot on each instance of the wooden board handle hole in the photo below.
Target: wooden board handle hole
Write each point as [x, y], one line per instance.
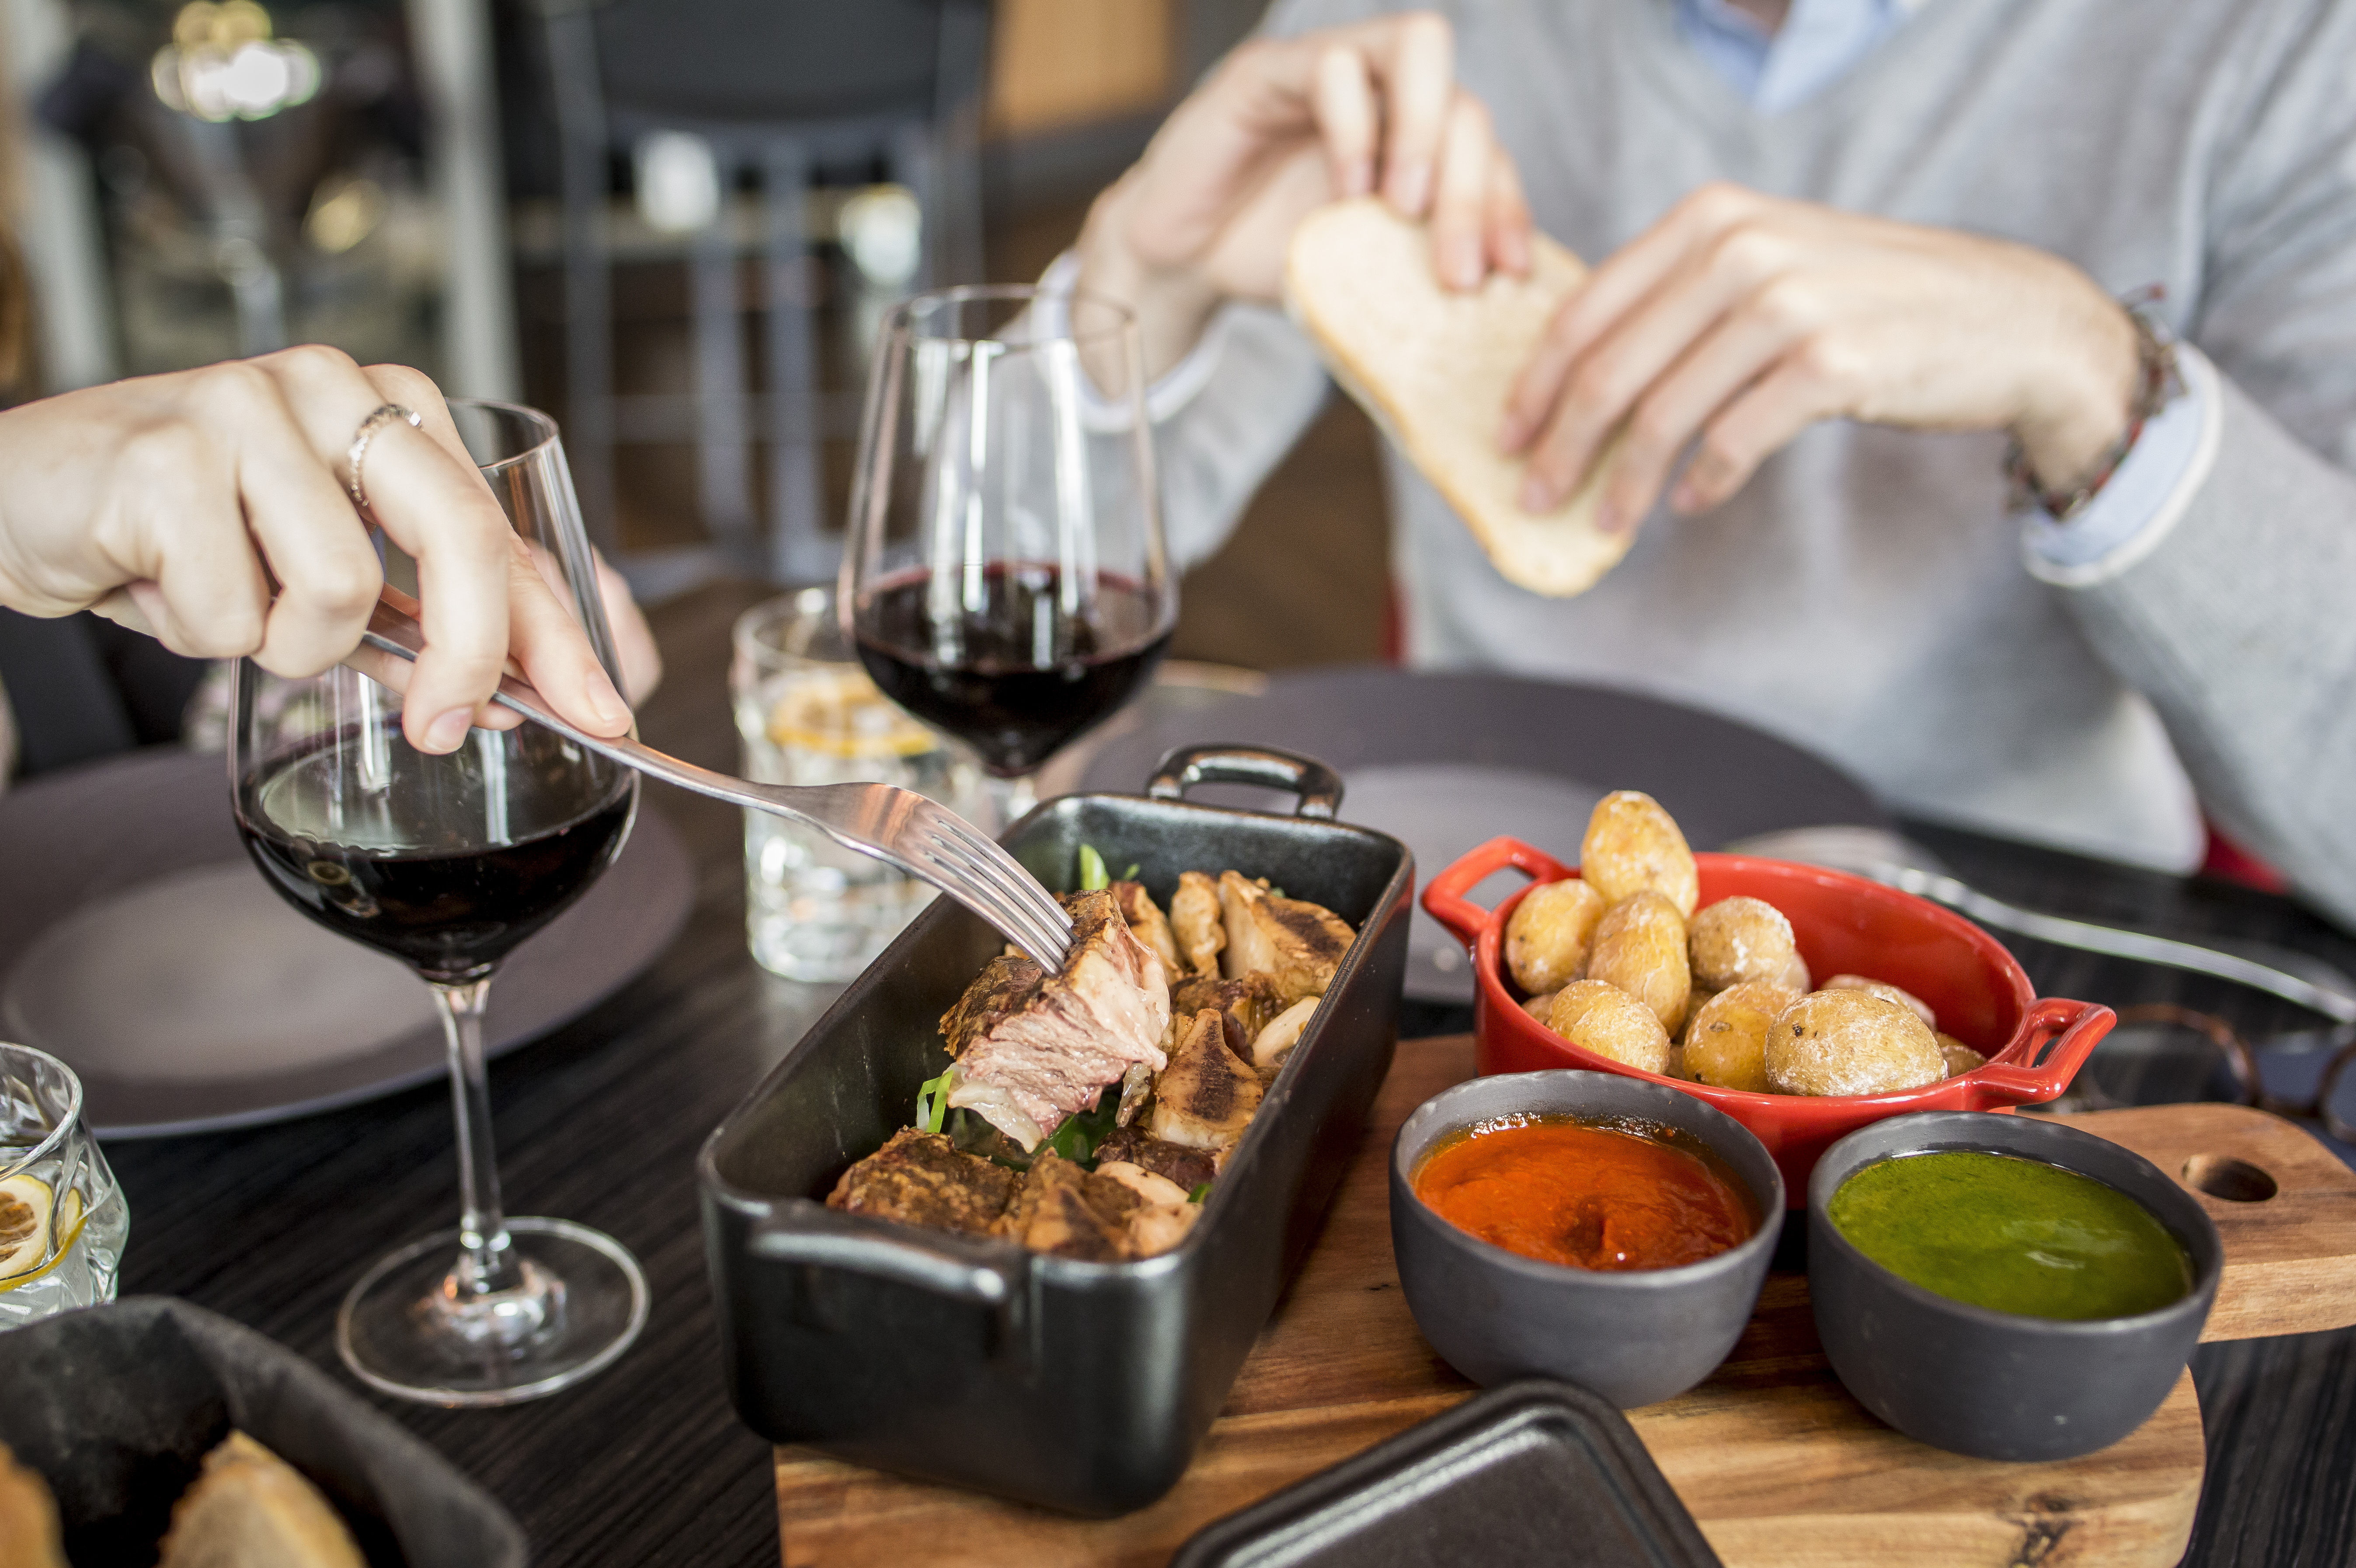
[2234, 1180]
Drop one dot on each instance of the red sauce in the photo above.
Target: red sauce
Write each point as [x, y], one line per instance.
[1592, 1197]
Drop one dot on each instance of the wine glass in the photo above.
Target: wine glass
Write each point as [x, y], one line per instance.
[1005, 579]
[447, 863]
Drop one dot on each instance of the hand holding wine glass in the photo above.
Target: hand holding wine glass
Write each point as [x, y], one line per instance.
[1006, 579]
[211, 508]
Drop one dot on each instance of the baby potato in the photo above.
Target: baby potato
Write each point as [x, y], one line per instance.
[1740, 939]
[1538, 1007]
[1677, 1067]
[1887, 992]
[1850, 1042]
[1609, 1022]
[1960, 1058]
[1796, 977]
[1726, 1044]
[1547, 940]
[1632, 847]
[1639, 947]
[1699, 999]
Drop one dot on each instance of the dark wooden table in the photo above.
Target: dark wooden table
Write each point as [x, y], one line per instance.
[600, 1122]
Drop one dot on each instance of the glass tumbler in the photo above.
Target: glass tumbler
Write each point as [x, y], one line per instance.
[63, 1218]
[809, 715]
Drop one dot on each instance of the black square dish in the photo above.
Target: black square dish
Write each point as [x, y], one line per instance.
[1531, 1473]
[116, 1407]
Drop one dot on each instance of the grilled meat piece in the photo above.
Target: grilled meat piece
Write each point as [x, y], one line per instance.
[1296, 943]
[1195, 920]
[1070, 1212]
[1207, 1095]
[1164, 1215]
[1183, 1167]
[1246, 1003]
[1145, 922]
[918, 1178]
[1032, 1048]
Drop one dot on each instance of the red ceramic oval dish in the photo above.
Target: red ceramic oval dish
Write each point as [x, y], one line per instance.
[1845, 925]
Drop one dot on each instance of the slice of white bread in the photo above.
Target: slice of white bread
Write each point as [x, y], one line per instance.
[1434, 365]
[29, 1536]
[250, 1509]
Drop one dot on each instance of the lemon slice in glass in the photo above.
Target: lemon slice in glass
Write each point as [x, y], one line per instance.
[23, 1224]
[840, 713]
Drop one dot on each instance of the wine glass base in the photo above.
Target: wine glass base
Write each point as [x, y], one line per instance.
[582, 1303]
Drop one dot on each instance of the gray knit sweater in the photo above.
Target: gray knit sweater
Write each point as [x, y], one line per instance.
[1865, 594]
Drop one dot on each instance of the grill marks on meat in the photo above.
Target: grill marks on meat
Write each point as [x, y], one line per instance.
[1070, 1212]
[1245, 1004]
[1032, 1048]
[920, 1179]
[1296, 943]
[1184, 1167]
[1207, 1095]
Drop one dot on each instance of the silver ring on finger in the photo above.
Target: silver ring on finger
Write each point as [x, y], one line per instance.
[359, 453]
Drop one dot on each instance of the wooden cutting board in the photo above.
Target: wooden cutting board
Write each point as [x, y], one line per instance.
[1776, 1462]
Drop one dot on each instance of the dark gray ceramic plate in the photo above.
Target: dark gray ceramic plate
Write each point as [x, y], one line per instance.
[1448, 761]
[139, 944]
[117, 1406]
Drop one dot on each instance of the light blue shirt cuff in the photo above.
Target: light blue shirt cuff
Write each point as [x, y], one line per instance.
[2143, 499]
[1173, 391]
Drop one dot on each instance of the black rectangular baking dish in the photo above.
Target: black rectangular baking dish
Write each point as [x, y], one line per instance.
[1076, 1385]
[1528, 1475]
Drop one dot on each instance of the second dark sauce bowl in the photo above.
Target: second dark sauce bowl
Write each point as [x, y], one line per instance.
[2001, 1385]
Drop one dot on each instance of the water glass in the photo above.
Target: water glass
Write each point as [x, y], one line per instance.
[62, 1217]
[809, 715]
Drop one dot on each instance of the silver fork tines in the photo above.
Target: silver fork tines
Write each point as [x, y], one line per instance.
[911, 831]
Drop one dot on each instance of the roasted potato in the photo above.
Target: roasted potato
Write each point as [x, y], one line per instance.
[1632, 847]
[1887, 992]
[1639, 947]
[1960, 1058]
[1547, 940]
[1609, 1022]
[1538, 1007]
[1796, 977]
[1699, 999]
[1726, 1044]
[1740, 939]
[1850, 1042]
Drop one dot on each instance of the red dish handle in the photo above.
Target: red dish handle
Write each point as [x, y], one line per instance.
[1443, 896]
[2073, 1028]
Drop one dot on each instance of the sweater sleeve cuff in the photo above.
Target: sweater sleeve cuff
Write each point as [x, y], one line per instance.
[1176, 387]
[2144, 499]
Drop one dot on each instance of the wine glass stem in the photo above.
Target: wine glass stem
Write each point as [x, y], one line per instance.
[487, 1261]
[1013, 799]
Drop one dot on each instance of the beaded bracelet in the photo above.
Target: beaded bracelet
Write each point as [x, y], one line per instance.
[2157, 383]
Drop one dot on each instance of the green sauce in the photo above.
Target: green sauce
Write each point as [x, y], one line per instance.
[2013, 1234]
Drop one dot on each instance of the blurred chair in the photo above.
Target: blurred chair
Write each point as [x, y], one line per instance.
[778, 91]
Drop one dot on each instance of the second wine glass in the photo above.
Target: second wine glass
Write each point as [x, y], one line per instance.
[1006, 579]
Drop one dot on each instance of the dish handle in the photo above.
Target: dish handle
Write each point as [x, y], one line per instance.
[1183, 767]
[813, 1254]
[1444, 896]
[2065, 1033]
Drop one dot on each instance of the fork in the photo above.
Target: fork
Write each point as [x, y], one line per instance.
[1886, 857]
[920, 835]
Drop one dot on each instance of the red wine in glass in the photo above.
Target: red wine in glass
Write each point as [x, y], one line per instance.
[414, 886]
[1016, 673]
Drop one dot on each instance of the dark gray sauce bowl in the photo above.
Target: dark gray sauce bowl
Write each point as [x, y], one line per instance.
[1634, 1336]
[2001, 1385]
